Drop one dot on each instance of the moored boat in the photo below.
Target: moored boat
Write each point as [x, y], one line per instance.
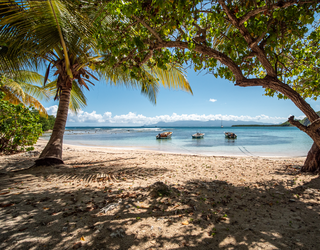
[230, 135]
[198, 135]
[164, 135]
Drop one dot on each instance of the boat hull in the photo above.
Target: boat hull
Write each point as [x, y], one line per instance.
[230, 135]
[198, 136]
[165, 135]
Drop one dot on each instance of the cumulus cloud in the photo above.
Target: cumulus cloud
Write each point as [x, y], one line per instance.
[52, 110]
[212, 100]
[131, 118]
[85, 117]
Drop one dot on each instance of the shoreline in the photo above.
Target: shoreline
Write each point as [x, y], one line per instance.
[135, 148]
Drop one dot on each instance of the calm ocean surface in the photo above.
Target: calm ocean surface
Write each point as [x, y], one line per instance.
[251, 141]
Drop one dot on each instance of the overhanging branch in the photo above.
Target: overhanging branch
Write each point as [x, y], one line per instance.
[205, 50]
[280, 4]
[148, 28]
[146, 58]
[314, 125]
[297, 124]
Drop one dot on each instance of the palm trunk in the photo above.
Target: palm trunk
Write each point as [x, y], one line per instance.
[52, 153]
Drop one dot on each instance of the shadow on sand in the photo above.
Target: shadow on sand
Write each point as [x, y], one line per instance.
[67, 204]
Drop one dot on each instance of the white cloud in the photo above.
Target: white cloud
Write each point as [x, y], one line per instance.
[52, 110]
[85, 117]
[212, 100]
[138, 119]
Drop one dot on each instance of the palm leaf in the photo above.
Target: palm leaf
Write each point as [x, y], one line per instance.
[33, 31]
[77, 98]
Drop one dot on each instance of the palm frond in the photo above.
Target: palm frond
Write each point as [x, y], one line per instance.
[10, 96]
[173, 78]
[77, 98]
[31, 32]
[33, 102]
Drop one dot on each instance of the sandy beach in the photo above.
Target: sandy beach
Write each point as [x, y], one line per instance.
[104, 198]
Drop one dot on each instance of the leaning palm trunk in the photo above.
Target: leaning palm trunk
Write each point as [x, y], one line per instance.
[52, 153]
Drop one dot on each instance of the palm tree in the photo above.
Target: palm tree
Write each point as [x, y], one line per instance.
[35, 33]
[25, 87]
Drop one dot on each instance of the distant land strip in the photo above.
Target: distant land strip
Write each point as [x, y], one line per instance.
[253, 125]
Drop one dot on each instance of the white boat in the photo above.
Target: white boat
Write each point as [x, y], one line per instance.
[230, 135]
[198, 135]
[164, 135]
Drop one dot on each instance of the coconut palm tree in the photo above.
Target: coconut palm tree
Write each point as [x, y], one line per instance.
[26, 88]
[60, 35]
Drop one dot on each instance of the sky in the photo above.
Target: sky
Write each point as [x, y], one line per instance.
[212, 99]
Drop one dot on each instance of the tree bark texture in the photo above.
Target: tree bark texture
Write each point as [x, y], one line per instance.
[52, 153]
[312, 162]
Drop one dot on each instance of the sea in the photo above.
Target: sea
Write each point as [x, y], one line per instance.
[251, 141]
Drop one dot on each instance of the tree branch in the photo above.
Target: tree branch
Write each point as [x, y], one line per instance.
[278, 5]
[146, 58]
[275, 84]
[148, 28]
[251, 55]
[297, 124]
[125, 58]
[257, 40]
[284, 66]
[205, 50]
[249, 39]
[314, 125]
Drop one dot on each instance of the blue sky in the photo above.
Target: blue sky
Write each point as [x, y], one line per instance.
[212, 99]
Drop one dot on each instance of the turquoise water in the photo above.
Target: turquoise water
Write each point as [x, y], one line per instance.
[251, 141]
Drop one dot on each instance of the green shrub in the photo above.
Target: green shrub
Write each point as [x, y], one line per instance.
[19, 127]
[46, 122]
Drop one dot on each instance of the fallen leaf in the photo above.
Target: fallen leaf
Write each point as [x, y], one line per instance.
[185, 222]
[45, 208]
[5, 193]
[7, 205]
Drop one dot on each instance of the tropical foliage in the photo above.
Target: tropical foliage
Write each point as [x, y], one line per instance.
[63, 35]
[270, 44]
[47, 122]
[25, 87]
[19, 127]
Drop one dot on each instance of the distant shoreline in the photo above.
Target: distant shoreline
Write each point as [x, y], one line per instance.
[276, 125]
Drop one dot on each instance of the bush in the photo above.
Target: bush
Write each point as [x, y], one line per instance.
[19, 127]
[46, 122]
